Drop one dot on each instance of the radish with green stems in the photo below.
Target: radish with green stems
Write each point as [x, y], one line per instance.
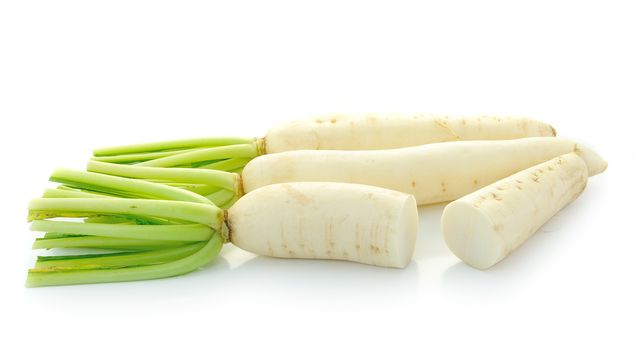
[163, 231]
[432, 173]
[332, 132]
[485, 226]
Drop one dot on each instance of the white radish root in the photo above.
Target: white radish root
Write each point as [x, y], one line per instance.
[385, 131]
[485, 226]
[351, 222]
[432, 173]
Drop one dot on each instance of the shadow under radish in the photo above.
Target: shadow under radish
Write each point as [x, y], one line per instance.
[321, 279]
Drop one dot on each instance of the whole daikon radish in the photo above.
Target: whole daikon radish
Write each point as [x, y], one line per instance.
[432, 173]
[362, 131]
[352, 222]
[485, 226]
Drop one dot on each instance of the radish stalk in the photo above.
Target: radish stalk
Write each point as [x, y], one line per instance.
[333, 132]
[39, 278]
[115, 260]
[123, 187]
[168, 237]
[218, 186]
[181, 212]
[128, 244]
[174, 145]
[484, 227]
[177, 232]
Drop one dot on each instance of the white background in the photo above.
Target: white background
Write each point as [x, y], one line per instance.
[80, 74]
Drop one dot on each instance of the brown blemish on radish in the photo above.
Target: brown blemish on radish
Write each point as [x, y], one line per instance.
[495, 196]
[297, 195]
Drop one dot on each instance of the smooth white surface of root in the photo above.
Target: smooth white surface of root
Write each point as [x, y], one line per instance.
[338, 221]
[394, 130]
[483, 227]
[432, 173]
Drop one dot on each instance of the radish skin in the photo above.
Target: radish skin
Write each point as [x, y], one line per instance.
[432, 173]
[337, 221]
[485, 226]
[386, 131]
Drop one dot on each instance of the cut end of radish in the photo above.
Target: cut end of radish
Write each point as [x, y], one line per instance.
[406, 230]
[471, 235]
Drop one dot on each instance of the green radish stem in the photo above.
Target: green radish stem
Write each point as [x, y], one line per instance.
[39, 278]
[206, 214]
[204, 182]
[188, 232]
[204, 156]
[228, 164]
[62, 192]
[172, 235]
[172, 145]
[222, 198]
[226, 154]
[189, 176]
[139, 157]
[102, 243]
[113, 260]
[121, 186]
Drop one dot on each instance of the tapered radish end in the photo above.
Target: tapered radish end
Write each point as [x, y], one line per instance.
[595, 163]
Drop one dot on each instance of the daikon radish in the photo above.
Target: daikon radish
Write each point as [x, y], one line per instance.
[331, 132]
[326, 221]
[432, 173]
[160, 231]
[385, 131]
[484, 227]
